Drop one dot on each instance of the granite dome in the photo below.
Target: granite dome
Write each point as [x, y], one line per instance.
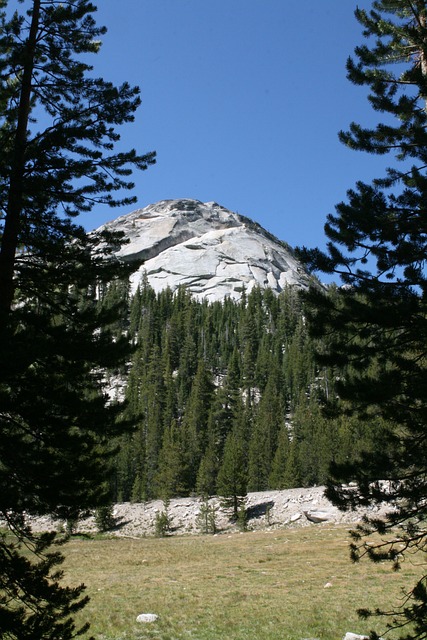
[210, 250]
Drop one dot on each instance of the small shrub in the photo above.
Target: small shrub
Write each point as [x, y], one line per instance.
[70, 526]
[162, 524]
[104, 518]
[206, 519]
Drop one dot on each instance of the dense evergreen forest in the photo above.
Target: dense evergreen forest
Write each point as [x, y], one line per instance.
[225, 398]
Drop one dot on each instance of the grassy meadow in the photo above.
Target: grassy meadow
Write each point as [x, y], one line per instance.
[267, 585]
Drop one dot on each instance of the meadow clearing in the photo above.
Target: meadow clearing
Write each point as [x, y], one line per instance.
[262, 585]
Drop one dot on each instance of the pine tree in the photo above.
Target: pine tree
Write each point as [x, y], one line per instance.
[40, 603]
[115, 296]
[225, 404]
[291, 473]
[298, 365]
[195, 423]
[152, 425]
[67, 165]
[169, 411]
[169, 477]
[135, 313]
[251, 330]
[276, 480]
[232, 476]
[377, 322]
[314, 435]
[208, 469]
[57, 134]
[268, 422]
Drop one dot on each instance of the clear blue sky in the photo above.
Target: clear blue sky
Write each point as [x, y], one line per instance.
[242, 100]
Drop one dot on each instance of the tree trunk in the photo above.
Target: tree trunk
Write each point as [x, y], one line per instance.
[9, 241]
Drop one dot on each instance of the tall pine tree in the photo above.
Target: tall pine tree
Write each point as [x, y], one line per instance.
[58, 127]
[377, 322]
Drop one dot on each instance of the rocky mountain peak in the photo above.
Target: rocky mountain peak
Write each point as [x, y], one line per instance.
[210, 250]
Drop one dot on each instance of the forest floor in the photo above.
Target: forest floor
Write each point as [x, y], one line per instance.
[290, 508]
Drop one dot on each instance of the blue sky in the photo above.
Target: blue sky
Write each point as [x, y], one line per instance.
[243, 101]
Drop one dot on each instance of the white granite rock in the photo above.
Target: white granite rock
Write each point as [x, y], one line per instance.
[295, 517]
[318, 516]
[212, 251]
[147, 617]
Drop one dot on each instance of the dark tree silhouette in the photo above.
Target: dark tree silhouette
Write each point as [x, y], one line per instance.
[376, 324]
[58, 127]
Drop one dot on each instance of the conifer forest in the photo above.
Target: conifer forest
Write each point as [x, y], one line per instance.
[224, 398]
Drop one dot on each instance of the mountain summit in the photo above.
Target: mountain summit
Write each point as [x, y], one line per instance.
[210, 250]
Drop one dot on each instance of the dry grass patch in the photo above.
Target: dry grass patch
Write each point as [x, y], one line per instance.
[264, 585]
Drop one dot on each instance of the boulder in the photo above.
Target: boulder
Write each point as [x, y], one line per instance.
[295, 517]
[317, 516]
[147, 617]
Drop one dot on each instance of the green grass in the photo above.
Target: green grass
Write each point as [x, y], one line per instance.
[253, 586]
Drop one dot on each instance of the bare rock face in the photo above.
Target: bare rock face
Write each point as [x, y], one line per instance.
[266, 510]
[210, 250]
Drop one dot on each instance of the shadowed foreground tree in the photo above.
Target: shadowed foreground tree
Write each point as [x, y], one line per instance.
[57, 134]
[376, 324]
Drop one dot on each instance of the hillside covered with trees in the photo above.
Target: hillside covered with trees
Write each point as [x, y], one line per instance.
[225, 398]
